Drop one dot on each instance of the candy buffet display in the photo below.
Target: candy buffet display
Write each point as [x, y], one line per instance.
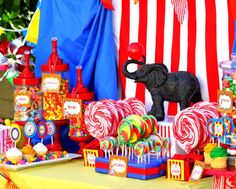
[27, 95]
[54, 85]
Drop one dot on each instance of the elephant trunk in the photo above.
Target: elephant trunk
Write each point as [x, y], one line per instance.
[131, 75]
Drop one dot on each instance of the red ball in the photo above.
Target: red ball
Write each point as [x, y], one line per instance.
[135, 51]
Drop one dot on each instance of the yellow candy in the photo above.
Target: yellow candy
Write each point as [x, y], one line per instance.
[7, 122]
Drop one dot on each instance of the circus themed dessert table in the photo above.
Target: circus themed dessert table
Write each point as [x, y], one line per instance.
[73, 174]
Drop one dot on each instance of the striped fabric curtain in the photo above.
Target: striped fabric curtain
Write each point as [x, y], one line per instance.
[187, 35]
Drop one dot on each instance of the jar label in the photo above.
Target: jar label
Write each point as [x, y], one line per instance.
[225, 101]
[22, 99]
[51, 83]
[72, 107]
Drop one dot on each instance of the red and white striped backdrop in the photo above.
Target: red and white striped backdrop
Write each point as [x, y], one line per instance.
[204, 38]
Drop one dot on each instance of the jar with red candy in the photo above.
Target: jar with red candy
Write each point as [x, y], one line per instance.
[54, 84]
[27, 95]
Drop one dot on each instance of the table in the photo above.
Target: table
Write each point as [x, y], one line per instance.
[74, 175]
[222, 178]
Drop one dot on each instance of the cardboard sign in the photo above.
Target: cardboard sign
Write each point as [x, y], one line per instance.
[72, 107]
[225, 101]
[197, 171]
[89, 157]
[22, 99]
[51, 83]
[175, 169]
[118, 166]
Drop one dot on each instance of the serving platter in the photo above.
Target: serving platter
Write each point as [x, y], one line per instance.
[68, 157]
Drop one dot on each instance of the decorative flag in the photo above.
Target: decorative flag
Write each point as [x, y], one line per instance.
[180, 7]
[85, 38]
[204, 39]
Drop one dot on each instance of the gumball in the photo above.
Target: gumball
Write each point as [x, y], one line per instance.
[135, 51]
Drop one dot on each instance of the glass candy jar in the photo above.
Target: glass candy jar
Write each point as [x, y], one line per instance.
[229, 76]
[78, 131]
[54, 84]
[27, 95]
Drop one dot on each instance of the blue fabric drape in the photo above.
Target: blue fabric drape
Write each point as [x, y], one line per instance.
[85, 38]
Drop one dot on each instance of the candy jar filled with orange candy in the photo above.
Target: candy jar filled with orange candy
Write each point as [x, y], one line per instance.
[27, 95]
[82, 97]
[54, 84]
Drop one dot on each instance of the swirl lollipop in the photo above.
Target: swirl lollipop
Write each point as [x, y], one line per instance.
[104, 145]
[98, 120]
[124, 130]
[139, 150]
[157, 144]
[165, 145]
[154, 124]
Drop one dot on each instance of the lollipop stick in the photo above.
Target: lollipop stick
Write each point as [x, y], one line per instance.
[122, 151]
[109, 154]
[138, 160]
[28, 141]
[218, 142]
[117, 150]
[129, 154]
[105, 151]
[125, 150]
[41, 140]
[52, 140]
[15, 144]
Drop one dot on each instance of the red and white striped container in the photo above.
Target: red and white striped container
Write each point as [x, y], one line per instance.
[5, 139]
[166, 130]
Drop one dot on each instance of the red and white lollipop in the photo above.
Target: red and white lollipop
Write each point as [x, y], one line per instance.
[187, 130]
[137, 106]
[98, 120]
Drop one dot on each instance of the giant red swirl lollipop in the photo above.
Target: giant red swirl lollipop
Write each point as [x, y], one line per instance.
[126, 107]
[120, 111]
[204, 137]
[186, 129]
[111, 106]
[98, 120]
[208, 108]
[137, 106]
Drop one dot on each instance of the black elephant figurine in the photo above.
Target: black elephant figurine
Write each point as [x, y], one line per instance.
[182, 87]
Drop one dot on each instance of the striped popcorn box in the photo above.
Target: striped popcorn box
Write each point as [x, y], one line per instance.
[180, 166]
[166, 130]
[5, 139]
[175, 169]
[89, 157]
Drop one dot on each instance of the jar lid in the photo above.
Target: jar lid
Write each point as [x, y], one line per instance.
[26, 77]
[82, 96]
[228, 64]
[54, 62]
[80, 91]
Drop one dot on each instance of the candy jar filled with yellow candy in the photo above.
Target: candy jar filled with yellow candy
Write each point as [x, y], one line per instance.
[27, 95]
[54, 84]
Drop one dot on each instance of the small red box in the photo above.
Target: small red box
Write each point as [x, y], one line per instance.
[180, 166]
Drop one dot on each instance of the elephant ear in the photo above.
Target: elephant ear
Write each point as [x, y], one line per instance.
[158, 74]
